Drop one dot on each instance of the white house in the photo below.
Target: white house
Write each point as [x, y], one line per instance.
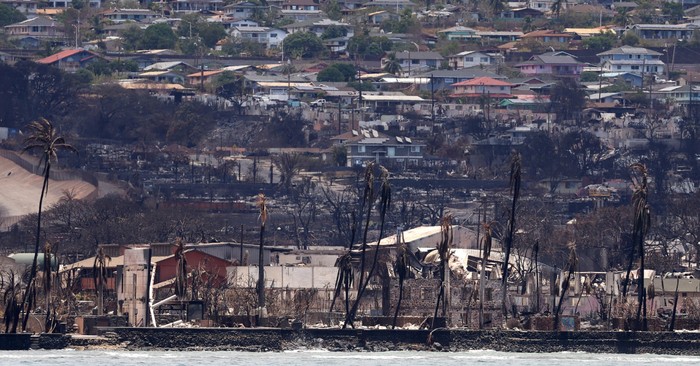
[468, 59]
[271, 37]
[632, 59]
[317, 26]
[27, 7]
[242, 10]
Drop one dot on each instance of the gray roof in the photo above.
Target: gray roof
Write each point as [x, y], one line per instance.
[629, 50]
[559, 60]
[416, 55]
[36, 22]
[462, 73]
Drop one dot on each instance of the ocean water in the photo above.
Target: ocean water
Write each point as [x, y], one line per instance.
[324, 358]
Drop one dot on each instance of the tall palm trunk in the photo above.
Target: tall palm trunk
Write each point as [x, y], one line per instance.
[515, 181]
[42, 136]
[261, 269]
[30, 291]
[385, 202]
[486, 251]
[444, 252]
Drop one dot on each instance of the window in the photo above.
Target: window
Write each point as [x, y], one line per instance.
[415, 149]
[485, 60]
[449, 80]
[361, 148]
[469, 59]
[273, 35]
[391, 151]
[415, 62]
[635, 67]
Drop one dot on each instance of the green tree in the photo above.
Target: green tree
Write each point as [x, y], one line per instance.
[212, 33]
[630, 39]
[10, 15]
[232, 87]
[159, 36]
[348, 70]
[601, 42]
[334, 31]
[132, 38]
[303, 45]
[333, 10]
[674, 11]
[42, 136]
[330, 74]
[366, 47]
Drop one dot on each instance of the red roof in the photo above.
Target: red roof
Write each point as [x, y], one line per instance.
[63, 54]
[480, 95]
[484, 80]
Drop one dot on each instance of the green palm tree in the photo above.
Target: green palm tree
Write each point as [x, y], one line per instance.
[43, 136]
[392, 64]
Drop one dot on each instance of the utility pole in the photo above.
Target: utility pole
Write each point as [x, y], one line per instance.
[432, 98]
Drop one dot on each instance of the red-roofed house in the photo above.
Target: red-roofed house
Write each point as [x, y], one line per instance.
[71, 60]
[483, 86]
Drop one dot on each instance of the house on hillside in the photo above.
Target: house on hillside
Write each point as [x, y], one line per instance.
[301, 9]
[468, 59]
[444, 79]
[556, 66]
[482, 87]
[126, 15]
[548, 37]
[318, 27]
[242, 10]
[192, 6]
[671, 32]
[270, 37]
[27, 7]
[71, 60]
[396, 5]
[522, 13]
[632, 59]
[459, 33]
[368, 145]
[416, 62]
[490, 37]
[38, 27]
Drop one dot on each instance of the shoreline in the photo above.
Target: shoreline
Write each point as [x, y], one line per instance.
[382, 340]
[367, 340]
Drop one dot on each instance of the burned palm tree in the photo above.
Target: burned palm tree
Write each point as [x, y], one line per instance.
[401, 269]
[486, 251]
[12, 300]
[444, 252]
[181, 270]
[368, 199]
[515, 182]
[50, 320]
[343, 281]
[568, 272]
[43, 136]
[262, 206]
[641, 220]
[99, 277]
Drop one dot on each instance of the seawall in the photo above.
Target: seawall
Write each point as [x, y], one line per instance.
[274, 339]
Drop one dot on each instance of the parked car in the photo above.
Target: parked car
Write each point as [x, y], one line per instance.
[318, 103]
